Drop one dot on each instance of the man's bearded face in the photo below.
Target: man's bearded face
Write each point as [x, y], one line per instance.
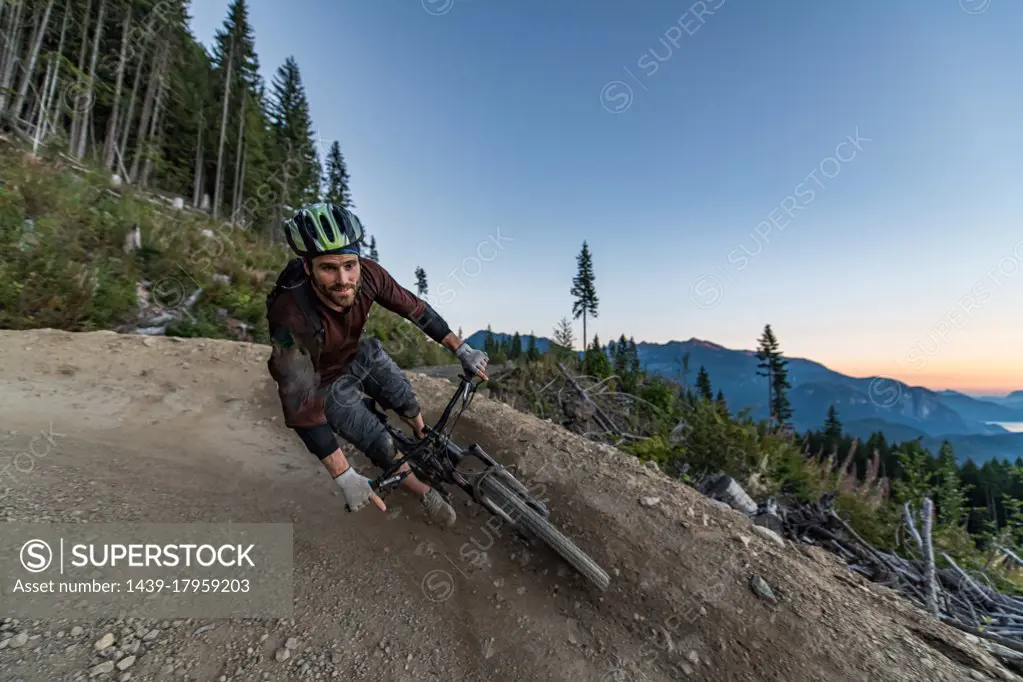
[337, 278]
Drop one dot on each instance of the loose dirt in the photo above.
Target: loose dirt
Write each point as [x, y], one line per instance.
[166, 430]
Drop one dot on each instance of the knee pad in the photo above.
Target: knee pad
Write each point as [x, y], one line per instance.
[409, 408]
[381, 450]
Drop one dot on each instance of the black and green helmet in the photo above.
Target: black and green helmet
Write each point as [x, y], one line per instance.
[321, 229]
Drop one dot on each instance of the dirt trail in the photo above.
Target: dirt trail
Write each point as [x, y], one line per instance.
[157, 429]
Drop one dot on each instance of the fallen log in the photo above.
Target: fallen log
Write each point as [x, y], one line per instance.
[1011, 555]
[983, 634]
[727, 490]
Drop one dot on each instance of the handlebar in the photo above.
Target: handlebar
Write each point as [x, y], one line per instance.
[465, 390]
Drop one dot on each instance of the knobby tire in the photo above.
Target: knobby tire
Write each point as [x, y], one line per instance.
[538, 526]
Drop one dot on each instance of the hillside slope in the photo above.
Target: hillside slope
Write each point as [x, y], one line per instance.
[160, 429]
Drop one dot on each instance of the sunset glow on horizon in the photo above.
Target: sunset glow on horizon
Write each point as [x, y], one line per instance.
[991, 379]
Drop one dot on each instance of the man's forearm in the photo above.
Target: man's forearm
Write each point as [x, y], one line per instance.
[336, 463]
[451, 342]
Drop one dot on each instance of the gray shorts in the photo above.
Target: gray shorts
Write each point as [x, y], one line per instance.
[375, 374]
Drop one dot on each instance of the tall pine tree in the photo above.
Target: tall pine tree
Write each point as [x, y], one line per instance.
[583, 289]
[238, 164]
[336, 178]
[703, 386]
[295, 146]
[773, 366]
[832, 429]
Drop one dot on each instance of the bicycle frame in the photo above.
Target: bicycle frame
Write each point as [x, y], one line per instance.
[435, 459]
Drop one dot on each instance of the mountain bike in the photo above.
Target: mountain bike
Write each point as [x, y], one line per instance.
[439, 462]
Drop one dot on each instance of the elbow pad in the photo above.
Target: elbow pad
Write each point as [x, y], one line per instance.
[320, 440]
[432, 324]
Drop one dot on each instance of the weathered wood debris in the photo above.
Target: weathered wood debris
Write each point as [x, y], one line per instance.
[591, 407]
[586, 405]
[951, 594]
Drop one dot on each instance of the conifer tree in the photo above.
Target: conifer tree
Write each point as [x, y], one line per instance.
[721, 402]
[336, 179]
[516, 347]
[583, 289]
[683, 371]
[239, 96]
[703, 384]
[295, 144]
[597, 364]
[634, 366]
[421, 286]
[620, 356]
[917, 477]
[532, 354]
[832, 430]
[563, 335]
[489, 347]
[951, 494]
[773, 366]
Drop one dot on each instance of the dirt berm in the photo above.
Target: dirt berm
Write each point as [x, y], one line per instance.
[165, 430]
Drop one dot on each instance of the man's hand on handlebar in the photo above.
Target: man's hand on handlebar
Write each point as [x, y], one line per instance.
[357, 490]
[473, 361]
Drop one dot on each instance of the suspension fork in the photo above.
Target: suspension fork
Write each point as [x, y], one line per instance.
[498, 470]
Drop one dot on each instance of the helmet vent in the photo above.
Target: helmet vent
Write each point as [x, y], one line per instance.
[328, 229]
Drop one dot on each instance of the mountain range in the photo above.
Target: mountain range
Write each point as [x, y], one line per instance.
[864, 404]
[1014, 399]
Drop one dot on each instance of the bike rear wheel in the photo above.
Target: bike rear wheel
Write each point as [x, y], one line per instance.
[500, 494]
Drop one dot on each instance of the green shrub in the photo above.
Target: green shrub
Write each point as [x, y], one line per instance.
[114, 302]
[874, 523]
[62, 264]
[195, 327]
[715, 442]
[656, 449]
[788, 473]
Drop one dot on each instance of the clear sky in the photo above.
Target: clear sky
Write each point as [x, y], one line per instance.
[847, 172]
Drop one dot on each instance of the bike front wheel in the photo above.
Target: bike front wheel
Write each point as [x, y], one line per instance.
[511, 503]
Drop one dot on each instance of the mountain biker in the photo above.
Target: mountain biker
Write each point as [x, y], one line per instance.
[321, 378]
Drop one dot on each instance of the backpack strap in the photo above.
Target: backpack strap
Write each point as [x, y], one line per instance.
[294, 279]
[305, 304]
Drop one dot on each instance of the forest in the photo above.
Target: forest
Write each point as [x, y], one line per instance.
[123, 85]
